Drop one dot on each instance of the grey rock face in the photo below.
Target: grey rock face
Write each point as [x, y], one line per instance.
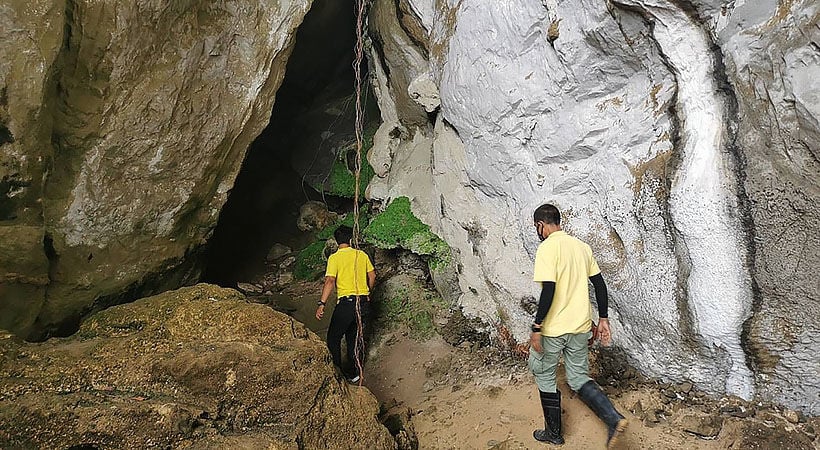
[773, 63]
[645, 122]
[123, 127]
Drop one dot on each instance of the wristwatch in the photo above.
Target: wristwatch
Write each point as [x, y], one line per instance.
[321, 303]
[535, 328]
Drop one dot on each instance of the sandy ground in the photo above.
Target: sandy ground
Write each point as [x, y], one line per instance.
[466, 398]
[458, 404]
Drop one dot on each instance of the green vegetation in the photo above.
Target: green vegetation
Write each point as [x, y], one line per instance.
[415, 313]
[341, 180]
[397, 227]
[310, 263]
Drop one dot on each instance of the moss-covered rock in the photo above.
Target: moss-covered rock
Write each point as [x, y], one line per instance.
[311, 261]
[341, 181]
[197, 367]
[397, 226]
[405, 301]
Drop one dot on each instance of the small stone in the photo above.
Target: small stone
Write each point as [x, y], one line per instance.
[685, 387]
[739, 411]
[637, 408]
[287, 262]
[249, 288]
[702, 425]
[793, 416]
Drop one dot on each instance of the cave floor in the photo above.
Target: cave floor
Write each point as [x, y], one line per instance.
[467, 397]
[460, 402]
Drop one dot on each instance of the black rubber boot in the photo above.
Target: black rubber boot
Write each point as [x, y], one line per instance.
[551, 404]
[598, 402]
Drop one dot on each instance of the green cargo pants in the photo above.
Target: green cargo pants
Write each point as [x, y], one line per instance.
[575, 349]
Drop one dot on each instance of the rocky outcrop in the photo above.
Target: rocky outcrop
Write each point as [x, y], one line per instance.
[679, 139]
[122, 128]
[195, 368]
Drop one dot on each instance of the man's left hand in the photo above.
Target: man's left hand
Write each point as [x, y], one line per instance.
[604, 332]
[535, 341]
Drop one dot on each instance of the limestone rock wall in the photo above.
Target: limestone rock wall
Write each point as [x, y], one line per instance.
[679, 138]
[122, 128]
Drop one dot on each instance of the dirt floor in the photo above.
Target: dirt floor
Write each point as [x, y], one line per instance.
[458, 402]
[472, 396]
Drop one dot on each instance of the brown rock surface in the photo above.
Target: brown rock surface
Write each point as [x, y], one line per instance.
[197, 367]
[122, 128]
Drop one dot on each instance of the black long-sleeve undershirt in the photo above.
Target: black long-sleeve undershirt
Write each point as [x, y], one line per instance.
[601, 297]
[548, 292]
[544, 303]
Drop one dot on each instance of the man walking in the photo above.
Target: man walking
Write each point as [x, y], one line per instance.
[351, 273]
[563, 324]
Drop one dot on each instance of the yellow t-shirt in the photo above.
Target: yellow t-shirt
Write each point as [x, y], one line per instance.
[342, 265]
[569, 263]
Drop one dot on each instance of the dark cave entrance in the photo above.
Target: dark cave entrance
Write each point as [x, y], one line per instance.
[313, 113]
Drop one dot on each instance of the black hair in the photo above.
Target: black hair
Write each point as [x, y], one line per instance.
[548, 214]
[343, 234]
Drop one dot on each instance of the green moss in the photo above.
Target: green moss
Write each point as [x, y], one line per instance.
[416, 315]
[341, 181]
[310, 263]
[397, 227]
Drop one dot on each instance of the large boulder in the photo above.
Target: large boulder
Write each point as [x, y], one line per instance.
[679, 139]
[122, 127]
[198, 367]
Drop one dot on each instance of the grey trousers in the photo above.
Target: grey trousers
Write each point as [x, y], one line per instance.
[574, 348]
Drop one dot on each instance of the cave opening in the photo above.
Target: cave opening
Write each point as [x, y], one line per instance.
[292, 160]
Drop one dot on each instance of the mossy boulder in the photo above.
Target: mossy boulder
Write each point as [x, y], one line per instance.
[341, 180]
[404, 300]
[311, 261]
[398, 227]
[197, 367]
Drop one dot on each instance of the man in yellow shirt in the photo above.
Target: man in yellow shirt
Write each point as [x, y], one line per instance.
[564, 265]
[351, 273]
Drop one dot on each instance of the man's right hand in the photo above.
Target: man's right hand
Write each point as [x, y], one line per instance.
[320, 311]
[535, 341]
